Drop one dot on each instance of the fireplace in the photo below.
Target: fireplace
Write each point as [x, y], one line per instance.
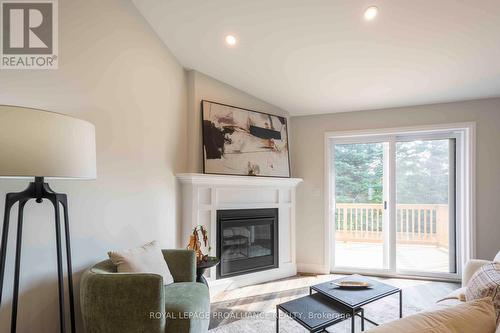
[206, 200]
[247, 241]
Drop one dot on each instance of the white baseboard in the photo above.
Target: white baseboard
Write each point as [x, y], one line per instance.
[312, 268]
[284, 271]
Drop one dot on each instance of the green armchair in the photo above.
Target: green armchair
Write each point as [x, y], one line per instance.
[128, 302]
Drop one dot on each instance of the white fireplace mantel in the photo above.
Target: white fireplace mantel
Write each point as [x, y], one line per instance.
[204, 194]
[207, 179]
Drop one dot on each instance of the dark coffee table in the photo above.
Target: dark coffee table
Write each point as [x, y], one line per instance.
[327, 304]
[314, 312]
[355, 299]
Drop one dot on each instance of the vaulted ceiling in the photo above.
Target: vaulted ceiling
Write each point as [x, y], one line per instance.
[321, 56]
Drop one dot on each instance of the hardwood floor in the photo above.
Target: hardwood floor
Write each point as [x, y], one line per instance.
[240, 303]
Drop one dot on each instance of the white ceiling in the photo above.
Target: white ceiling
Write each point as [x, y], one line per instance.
[320, 56]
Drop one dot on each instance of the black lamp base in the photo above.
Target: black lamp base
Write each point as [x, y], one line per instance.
[38, 190]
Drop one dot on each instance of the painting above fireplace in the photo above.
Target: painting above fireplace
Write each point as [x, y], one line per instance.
[238, 141]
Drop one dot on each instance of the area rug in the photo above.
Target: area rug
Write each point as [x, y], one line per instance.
[233, 321]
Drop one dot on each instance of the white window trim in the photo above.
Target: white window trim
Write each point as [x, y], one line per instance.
[466, 196]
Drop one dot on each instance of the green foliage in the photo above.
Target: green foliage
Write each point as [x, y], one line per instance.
[422, 171]
[359, 171]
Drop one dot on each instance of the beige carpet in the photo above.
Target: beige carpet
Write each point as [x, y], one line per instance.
[228, 319]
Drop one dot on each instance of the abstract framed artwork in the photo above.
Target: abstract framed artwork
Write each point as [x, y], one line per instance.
[238, 141]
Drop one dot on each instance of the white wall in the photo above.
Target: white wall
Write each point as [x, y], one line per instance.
[203, 87]
[308, 163]
[117, 74]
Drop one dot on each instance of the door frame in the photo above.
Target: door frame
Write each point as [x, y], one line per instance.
[465, 206]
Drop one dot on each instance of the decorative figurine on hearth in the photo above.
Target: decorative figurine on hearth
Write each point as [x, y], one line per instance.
[195, 243]
[198, 240]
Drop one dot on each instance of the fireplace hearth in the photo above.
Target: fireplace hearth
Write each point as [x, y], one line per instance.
[247, 241]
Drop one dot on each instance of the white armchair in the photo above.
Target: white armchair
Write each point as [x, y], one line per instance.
[455, 298]
[470, 268]
[473, 265]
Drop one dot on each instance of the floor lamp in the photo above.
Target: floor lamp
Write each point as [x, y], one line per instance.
[38, 144]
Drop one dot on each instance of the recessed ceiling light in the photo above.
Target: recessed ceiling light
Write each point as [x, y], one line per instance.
[371, 13]
[230, 40]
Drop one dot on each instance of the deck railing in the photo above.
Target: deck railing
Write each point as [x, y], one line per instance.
[415, 223]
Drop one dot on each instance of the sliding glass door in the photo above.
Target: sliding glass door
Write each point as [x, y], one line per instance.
[359, 198]
[425, 199]
[393, 200]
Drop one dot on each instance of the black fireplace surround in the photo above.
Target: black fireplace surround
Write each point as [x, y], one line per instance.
[247, 241]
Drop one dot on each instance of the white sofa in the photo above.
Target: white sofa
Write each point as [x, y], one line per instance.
[456, 298]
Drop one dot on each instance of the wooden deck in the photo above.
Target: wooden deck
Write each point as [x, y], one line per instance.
[415, 223]
[426, 258]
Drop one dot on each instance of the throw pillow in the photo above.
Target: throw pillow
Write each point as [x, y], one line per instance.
[471, 317]
[486, 283]
[145, 259]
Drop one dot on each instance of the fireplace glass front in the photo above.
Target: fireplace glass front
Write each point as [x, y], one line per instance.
[247, 241]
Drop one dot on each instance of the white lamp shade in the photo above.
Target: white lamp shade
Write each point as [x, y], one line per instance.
[36, 143]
